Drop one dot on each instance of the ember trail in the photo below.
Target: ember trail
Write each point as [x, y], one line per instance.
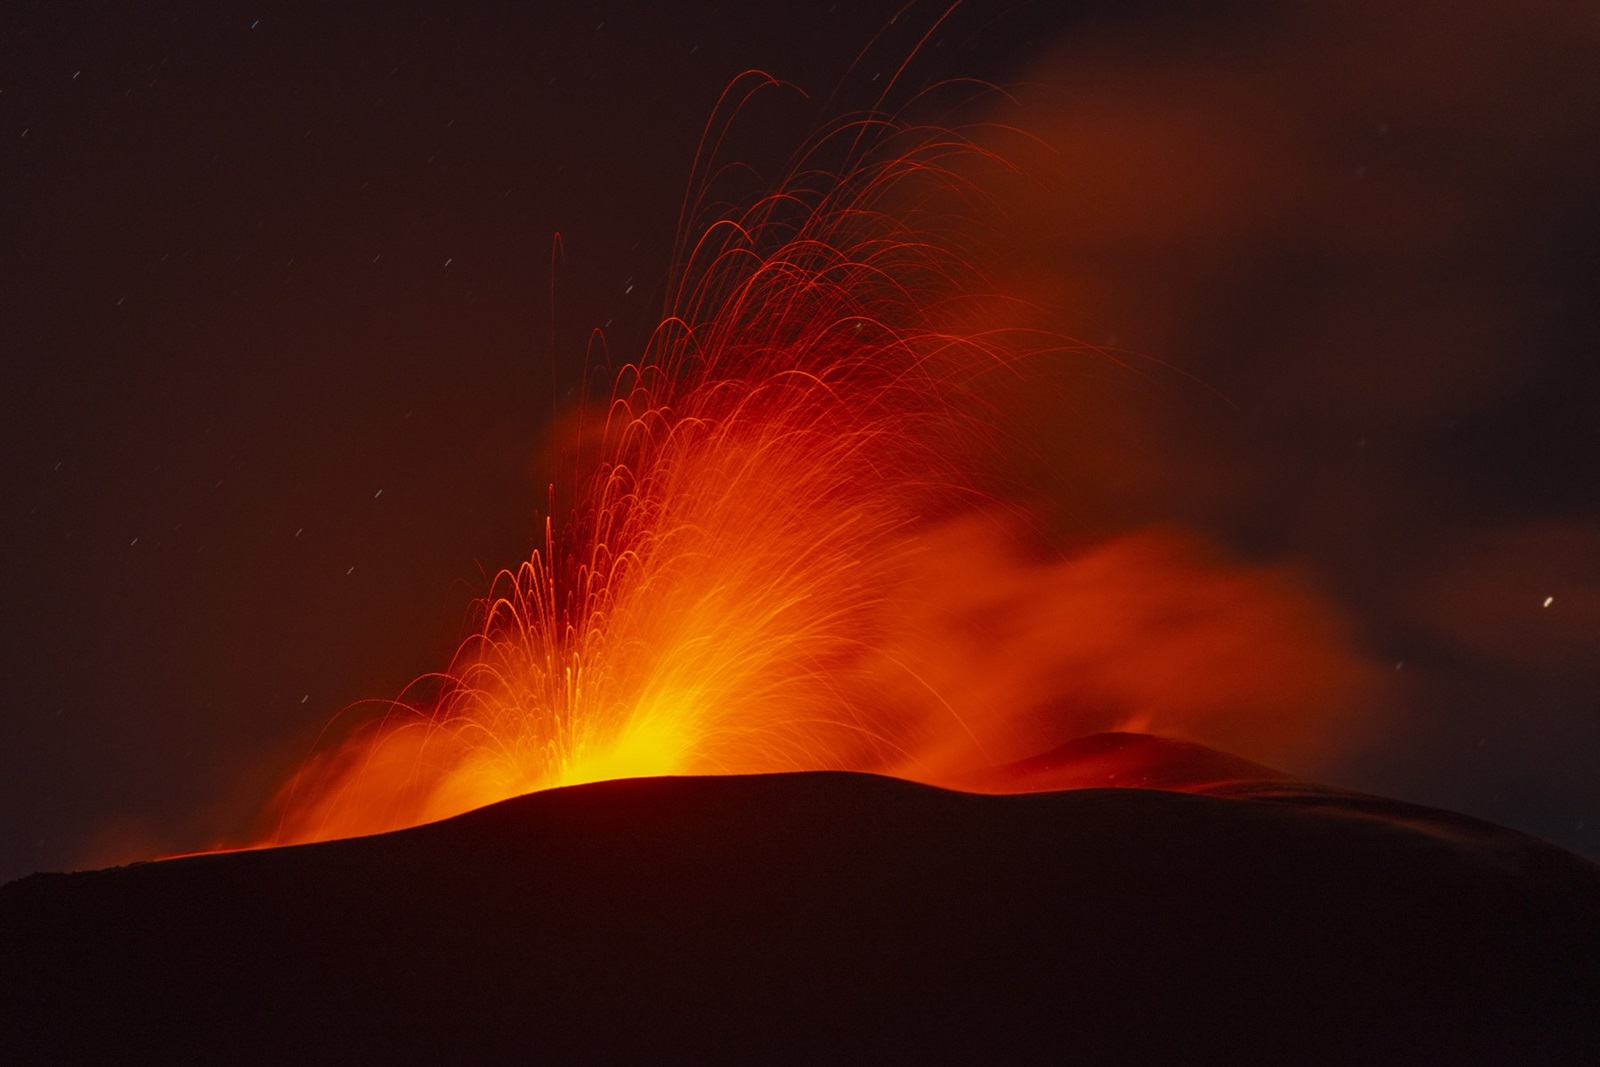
[779, 553]
[716, 604]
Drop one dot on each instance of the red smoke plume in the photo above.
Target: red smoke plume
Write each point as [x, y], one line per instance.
[793, 552]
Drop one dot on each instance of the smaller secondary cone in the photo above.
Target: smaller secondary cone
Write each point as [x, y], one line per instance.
[829, 914]
[1122, 760]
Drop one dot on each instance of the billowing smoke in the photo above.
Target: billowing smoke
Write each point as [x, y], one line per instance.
[1189, 406]
[1340, 257]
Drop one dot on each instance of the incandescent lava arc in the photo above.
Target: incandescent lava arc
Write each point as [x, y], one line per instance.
[791, 550]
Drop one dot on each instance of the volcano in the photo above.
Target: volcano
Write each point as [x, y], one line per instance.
[1230, 915]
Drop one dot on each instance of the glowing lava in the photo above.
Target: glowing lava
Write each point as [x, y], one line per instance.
[766, 571]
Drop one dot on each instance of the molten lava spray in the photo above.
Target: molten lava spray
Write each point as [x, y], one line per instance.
[790, 553]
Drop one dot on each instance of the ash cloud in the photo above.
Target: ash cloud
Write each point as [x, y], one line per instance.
[1336, 261]
[1155, 630]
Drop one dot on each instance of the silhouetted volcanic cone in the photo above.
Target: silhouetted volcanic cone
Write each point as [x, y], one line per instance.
[825, 914]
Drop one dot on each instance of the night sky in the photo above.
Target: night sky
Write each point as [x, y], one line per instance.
[282, 345]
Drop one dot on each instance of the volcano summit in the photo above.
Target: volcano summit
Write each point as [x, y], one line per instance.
[833, 914]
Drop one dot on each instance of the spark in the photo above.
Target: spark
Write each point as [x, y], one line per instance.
[718, 602]
[784, 536]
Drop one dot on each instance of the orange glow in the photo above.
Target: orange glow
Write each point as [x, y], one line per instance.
[788, 558]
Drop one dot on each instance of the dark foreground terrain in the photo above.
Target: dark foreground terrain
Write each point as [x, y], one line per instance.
[824, 915]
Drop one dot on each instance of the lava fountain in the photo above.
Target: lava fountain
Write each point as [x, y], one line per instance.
[761, 573]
